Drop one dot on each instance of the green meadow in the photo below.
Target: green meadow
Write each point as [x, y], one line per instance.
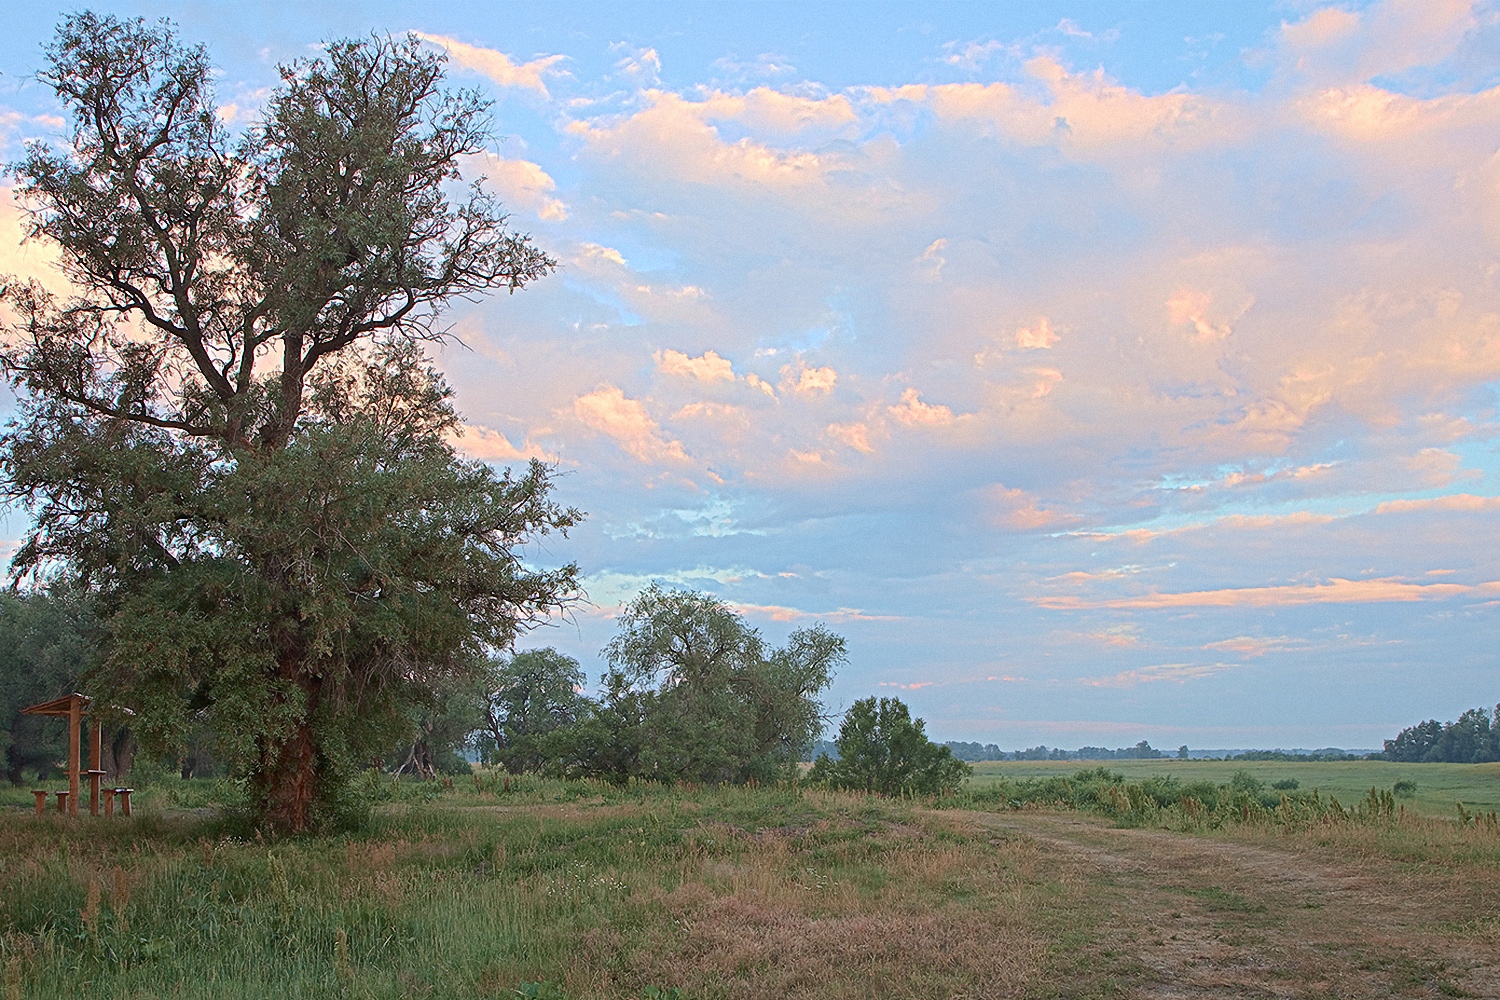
[1439, 787]
[495, 887]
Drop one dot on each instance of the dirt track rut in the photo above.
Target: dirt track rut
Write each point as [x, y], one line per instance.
[1192, 916]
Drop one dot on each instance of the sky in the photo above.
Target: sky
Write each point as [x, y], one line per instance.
[1101, 371]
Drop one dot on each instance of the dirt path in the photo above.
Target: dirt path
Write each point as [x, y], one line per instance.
[1191, 916]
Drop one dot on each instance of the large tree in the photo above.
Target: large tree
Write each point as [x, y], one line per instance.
[535, 699]
[694, 694]
[230, 431]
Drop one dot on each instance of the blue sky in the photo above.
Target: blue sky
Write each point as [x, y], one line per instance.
[1101, 371]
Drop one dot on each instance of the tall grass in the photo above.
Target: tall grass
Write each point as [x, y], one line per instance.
[1376, 824]
[489, 887]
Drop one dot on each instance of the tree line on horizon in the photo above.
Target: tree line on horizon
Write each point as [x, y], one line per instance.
[1472, 738]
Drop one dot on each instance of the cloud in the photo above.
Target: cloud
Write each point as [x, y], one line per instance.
[912, 412]
[495, 65]
[643, 66]
[1038, 337]
[707, 368]
[609, 411]
[489, 445]
[592, 252]
[1251, 646]
[856, 436]
[1190, 307]
[1335, 591]
[780, 613]
[36, 260]
[520, 183]
[1176, 673]
[1018, 510]
[807, 380]
[1466, 503]
[670, 139]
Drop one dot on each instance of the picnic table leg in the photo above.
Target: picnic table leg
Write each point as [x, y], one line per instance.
[96, 759]
[125, 802]
[62, 802]
[41, 800]
[75, 754]
[109, 802]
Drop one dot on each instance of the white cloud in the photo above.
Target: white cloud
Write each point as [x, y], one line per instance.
[496, 65]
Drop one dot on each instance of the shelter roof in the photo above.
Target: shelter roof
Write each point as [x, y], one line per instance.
[59, 706]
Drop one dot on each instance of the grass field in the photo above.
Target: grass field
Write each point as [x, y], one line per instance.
[1439, 786]
[583, 891]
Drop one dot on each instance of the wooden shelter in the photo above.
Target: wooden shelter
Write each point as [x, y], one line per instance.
[74, 707]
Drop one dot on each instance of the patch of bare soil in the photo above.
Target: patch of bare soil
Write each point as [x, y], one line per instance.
[1194, 916]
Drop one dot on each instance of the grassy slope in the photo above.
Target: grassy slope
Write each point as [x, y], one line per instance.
[1439, 786]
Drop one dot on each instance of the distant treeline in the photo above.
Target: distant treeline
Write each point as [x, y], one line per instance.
[1474, 738]
[989, 751]
[1141, 751]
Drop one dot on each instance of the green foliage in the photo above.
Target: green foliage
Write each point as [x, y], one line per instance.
[231, 433]
[692, 694]
[1473, 738]
[531, 713]
[45, 646]
[881, 749]
[1404, 789]
[1164, 800]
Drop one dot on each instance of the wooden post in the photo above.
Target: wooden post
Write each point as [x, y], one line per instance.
[75, 753]
[96, 762]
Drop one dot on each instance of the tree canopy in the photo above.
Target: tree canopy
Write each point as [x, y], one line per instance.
[1472, 738]
[882, 749]
[229, 430]
[694, 694]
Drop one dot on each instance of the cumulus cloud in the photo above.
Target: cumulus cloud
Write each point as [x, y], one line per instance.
[1038, 337]
[497, 66]
[520, 184]
[487, 445]
[707, 368]
[913, 412]
[609, 411]
[800, 378]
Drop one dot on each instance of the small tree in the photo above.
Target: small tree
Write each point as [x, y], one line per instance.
[882, 749]
[230, 432]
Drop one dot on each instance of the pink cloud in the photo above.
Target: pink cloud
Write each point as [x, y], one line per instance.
[1336, 591]
[1020, 511]
[708, 368]
[1463, 502]
[1176, 673]
[609, 411]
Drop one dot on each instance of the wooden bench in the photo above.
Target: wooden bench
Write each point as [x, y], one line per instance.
[109, 800]
[41, 799]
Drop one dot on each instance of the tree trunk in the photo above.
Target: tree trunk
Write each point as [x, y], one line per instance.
[288, 781]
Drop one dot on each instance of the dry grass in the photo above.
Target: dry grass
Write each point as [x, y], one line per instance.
[721, 894]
